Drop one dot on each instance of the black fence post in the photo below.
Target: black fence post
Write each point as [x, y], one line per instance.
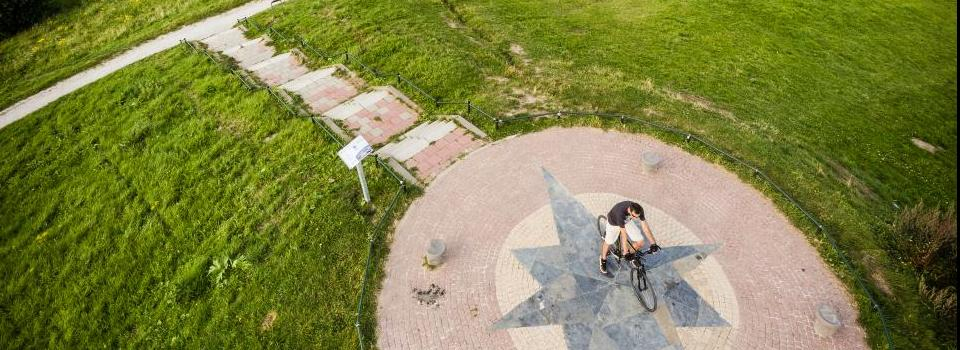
[469, 107]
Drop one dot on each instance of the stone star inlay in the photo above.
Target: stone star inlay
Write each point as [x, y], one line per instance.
[599, 312]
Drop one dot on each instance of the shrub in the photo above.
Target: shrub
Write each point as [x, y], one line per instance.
[927, 238]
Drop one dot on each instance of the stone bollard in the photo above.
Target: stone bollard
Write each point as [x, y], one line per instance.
[435, 252]
[827, 321]
[651, 162]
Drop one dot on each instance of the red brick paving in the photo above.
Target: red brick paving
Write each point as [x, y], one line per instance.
[435, 158]
[251, 52]
[778, 277]
[280, 69]
[378, 120]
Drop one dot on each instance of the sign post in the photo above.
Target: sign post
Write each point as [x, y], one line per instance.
[352, 154]
[363, 184]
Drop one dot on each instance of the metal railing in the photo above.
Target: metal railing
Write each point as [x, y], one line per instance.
[472, 109]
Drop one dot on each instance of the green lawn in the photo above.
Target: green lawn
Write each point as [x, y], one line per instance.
[86, 33]
[120, 197]
[117, 199]
[825, 98]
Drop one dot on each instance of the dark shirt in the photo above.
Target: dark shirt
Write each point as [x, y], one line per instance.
[618, 215]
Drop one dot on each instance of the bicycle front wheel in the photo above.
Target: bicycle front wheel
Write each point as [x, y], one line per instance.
[643, 289]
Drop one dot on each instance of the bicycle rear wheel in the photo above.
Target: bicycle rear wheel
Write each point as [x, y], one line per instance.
[602, 231]
[643, 289]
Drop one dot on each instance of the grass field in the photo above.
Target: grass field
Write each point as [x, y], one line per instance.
[823, 97]
[85, 33]
[117, 200]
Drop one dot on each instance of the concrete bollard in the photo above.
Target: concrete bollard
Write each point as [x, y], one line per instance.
[827, 321]
[651, 162]
[435, 252]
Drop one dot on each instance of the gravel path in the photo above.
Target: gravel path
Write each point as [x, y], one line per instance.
[195, 31]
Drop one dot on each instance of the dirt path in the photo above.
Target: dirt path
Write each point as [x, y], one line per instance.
[195, 31]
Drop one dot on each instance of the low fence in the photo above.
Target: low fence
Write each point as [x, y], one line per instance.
[472, 110]
[294, 111]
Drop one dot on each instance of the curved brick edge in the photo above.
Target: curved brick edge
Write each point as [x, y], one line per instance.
[777, 276]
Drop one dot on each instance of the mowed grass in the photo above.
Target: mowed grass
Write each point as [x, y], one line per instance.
[86, 33]
[116, 201]
[824, 98]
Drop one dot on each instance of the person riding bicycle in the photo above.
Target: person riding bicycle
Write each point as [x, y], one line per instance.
[617, 228]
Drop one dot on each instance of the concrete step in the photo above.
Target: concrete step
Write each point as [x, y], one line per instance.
[224, 40]
[377, 115]
[431, 147]
[440, 154]
[417, 139]
[302, 82]
[432, 131]
[251, 52]
[279, 69]
[325, 88]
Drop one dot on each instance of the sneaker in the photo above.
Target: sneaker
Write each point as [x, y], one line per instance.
[603, 266]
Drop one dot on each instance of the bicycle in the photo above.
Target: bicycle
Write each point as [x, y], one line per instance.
[638, 274]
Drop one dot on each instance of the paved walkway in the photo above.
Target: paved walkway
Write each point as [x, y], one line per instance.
[196, 31]
[764, 282]
[344, 101]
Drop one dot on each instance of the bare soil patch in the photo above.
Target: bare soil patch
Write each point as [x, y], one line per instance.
[268, 320]
[846, 177]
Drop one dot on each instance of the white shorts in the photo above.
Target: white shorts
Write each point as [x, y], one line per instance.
[633, 232]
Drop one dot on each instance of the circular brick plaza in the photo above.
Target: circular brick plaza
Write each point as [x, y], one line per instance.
[764, 282]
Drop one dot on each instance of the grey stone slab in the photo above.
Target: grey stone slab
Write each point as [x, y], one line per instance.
[436, 130]
[636, 332]
[603, 312]
[688, 257]
[579, 336]
[688, 309]
[407, 148]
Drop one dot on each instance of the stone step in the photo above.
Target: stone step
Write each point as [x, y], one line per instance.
[440, 154]
[431, 147]
[279, 69]
[432, 131]
[251, 52]
[377, 115]
[302, 82]
[224, 40]
[322, 89]
[416, 140]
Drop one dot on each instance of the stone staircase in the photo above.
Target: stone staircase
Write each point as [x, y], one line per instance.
[383, 115]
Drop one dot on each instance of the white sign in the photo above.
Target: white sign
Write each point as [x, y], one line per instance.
[355, 151]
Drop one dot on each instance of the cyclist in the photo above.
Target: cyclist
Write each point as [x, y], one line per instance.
[617, 227]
